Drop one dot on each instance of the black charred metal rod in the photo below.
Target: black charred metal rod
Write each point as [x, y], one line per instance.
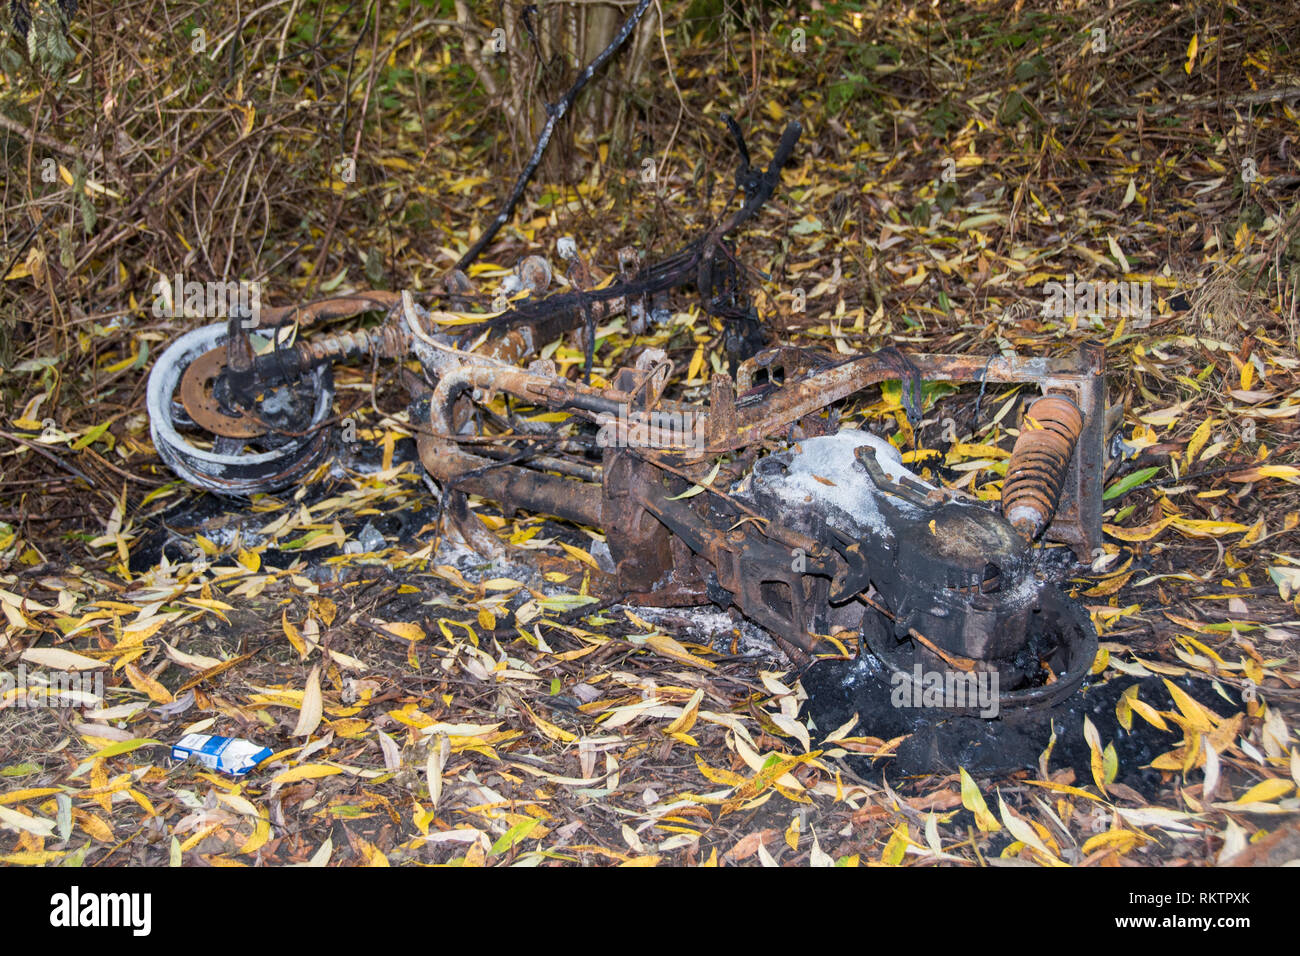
[690, 263]
[554, 112]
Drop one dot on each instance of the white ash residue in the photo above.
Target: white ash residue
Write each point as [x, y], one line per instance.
[707, 625]
[604, 559]
[227, 534]
[1024, 590]
[830, 458]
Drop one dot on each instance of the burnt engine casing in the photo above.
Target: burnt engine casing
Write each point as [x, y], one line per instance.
[946, 566]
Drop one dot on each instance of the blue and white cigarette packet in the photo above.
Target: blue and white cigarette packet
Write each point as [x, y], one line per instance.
[228, 754]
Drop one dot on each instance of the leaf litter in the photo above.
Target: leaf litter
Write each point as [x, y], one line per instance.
[428, 706]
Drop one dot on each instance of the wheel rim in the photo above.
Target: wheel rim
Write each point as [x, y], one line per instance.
[229, 467]
[1077, 646]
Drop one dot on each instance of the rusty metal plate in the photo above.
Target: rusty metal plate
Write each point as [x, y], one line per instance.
[202, 405]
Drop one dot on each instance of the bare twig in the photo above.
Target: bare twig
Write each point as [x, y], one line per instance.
[554, 113]
[42, 450]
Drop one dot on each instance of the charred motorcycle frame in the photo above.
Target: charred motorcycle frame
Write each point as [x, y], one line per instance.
[761, 504]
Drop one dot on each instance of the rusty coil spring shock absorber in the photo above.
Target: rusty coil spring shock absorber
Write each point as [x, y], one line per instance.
[386, 341]
[248, 374]
[1036, 471]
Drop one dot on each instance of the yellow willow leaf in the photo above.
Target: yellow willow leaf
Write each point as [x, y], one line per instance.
[842, 731]
[962, 450]
[1199, 438]
[686, 720]
[295, 638]
[308, 771]
[1192, 47]
[136, 634]
[896, 848]
[719, 775]
[325, 609]
[524, 534]
[100, 789]
[1257, 531]
[776, 773]
[973, 800]
[257, 839]
[1266, 791]
[406, 630]
[697, 363]
[210, 604]
[1171, 760]
[792, 835]
[143, 682]
[372, 854]
[1097, 760]
[309, 716]
[696, 489]
[1141, 533]
[32, 857]
[96, 827]
[1148, 713]
[58, 659]
[549, 729]
[579, 554]
[17, 796]
[668, 647]
[1207, 651]
[123, 747]
[1195, 528]
[1064, 788]
[239, 804]
[1023, 831]
[1199, 718]
[1120, 841]
[1111, 585]
[638, 621]
[502, 584]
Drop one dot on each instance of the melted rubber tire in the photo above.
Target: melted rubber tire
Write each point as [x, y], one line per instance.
[239, 474]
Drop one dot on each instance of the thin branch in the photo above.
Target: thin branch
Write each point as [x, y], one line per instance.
[49, 142]
[42, 450]
[554, 113]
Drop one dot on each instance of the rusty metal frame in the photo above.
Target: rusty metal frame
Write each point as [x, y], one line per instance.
[669, 549]
[733, 424]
